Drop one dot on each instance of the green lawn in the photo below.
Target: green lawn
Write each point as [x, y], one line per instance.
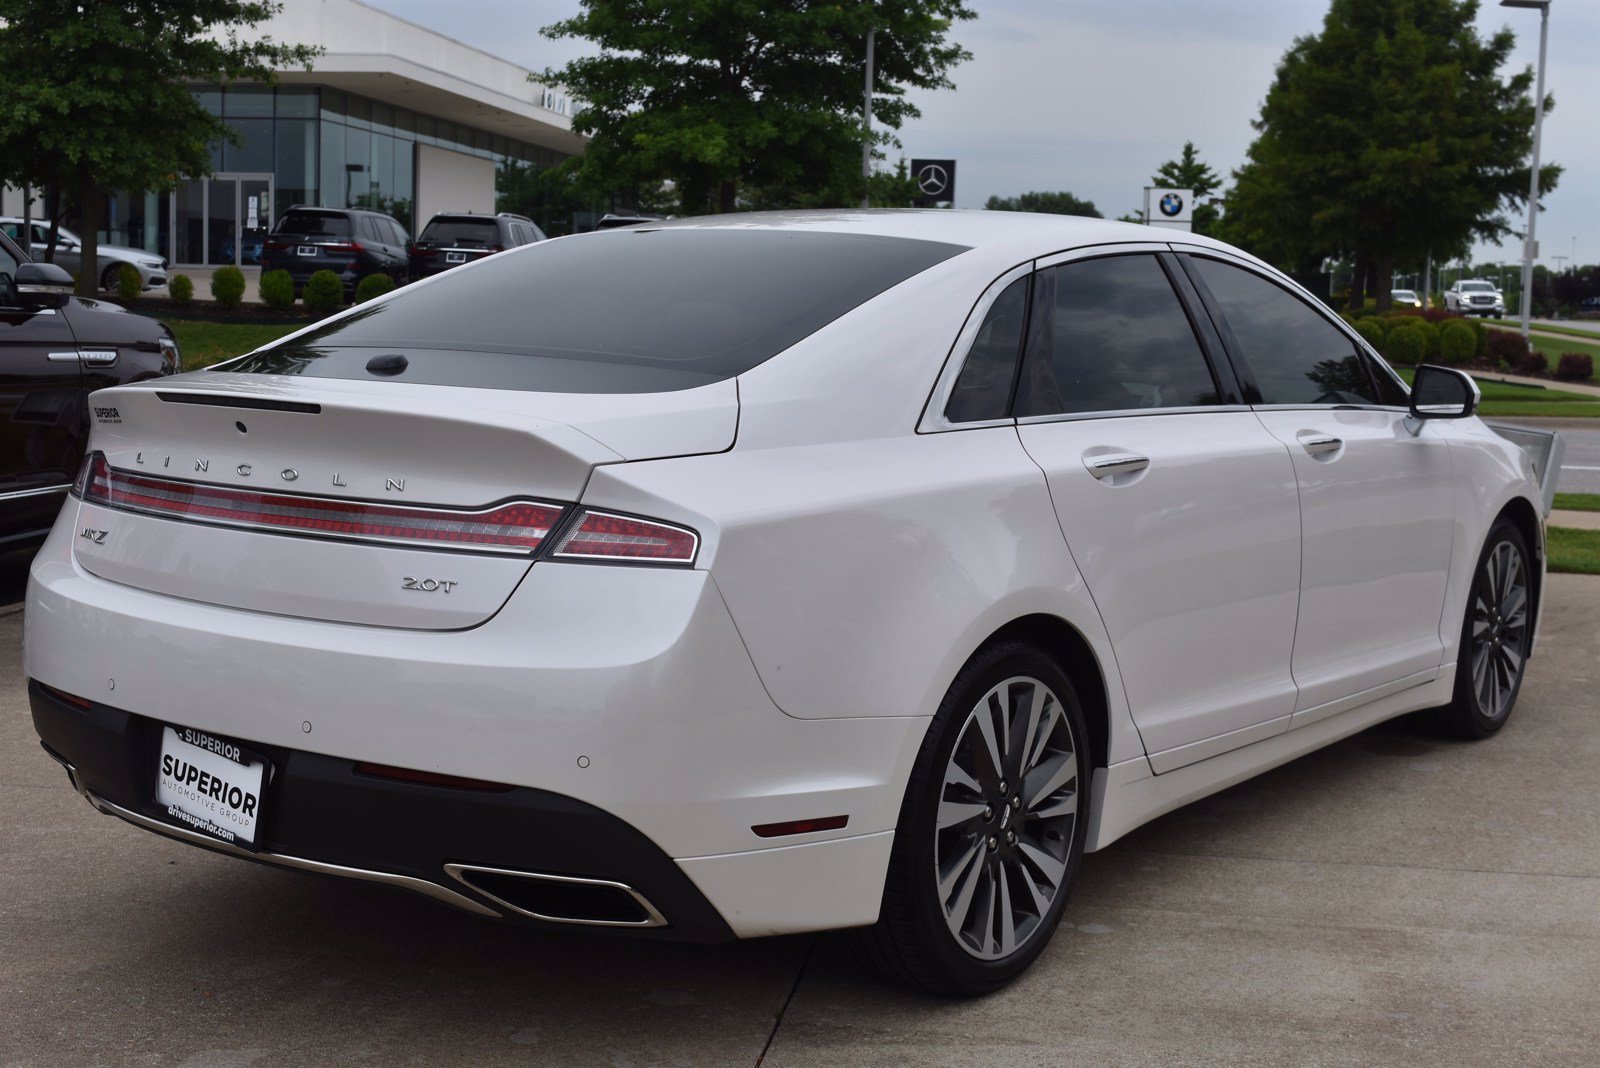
[203, 343]
[1574, 550]
[1553, 348]
[1508, 399]
[1568, 331]
[1578, 502]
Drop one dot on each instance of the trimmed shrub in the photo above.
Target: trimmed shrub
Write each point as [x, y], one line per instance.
[277, 290]
[1371, 332]
[1457, 343]
[1408, 345]
[181, 289]
[1531, 363]
[1575, 367]
[373, 285]
[1503, 347]
[227, 286]
[324, 293]
[129, 283]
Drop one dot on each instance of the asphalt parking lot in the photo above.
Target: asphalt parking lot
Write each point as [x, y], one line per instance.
[1395, 899]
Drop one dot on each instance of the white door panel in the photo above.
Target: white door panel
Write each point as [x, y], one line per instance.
[1377, 509]
[1189, 541]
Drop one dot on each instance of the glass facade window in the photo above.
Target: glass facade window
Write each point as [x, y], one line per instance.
[295, 164]
[254, 151]
[247, 102]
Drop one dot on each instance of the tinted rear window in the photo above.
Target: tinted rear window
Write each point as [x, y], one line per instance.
[314, 223]
[624, 311]
[468, 231]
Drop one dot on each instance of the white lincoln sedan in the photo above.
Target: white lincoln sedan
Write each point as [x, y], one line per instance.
[739, 576]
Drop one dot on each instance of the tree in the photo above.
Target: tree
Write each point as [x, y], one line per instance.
[1388, 134]
[724, 96]
[1187, 172]
[1062, 203]
[98, 98]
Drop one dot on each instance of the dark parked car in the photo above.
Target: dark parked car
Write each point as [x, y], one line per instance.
[351, 242]
[56, 349]
[613, 222]
[452, 238]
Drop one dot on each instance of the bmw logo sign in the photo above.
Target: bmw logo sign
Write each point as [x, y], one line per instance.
[1171, 204]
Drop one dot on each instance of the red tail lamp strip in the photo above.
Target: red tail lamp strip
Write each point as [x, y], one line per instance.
[517, 527]
[821, 823]
[604, 536]
[431, 778]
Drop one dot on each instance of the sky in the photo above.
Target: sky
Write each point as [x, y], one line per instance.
[1091, 96]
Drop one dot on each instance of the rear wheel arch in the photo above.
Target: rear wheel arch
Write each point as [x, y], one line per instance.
[1522, 515]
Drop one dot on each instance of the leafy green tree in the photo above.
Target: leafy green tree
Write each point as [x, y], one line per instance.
[1062, 203]
[1187, 172]
[725, 96]
[1387, 134]
[97, 97]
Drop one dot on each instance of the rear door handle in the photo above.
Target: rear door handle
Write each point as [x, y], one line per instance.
[1318, 446]
[1117, 464]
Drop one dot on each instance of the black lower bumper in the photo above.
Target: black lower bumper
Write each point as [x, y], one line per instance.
[319, 813]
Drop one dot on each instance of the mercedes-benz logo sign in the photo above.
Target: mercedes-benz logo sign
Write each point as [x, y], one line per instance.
[932, 180]
[1171, 204]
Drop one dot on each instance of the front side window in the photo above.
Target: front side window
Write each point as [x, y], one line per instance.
[1296, 355]
[983, 389]
[1110, 335]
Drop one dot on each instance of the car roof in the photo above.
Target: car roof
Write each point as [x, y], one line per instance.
[1005, 234]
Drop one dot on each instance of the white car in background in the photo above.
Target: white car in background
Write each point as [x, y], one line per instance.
[1474, 296]
[1407, 297]
[752, 575]
[69, 254]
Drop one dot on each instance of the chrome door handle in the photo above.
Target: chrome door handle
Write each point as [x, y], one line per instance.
[1317, 446]
[1106, 466]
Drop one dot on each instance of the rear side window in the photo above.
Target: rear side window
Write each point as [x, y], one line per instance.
[1110, 335]
[619, 311]
[1295, 355]
[983, 389]
[479, 233]
[314, 224]
[397, 233]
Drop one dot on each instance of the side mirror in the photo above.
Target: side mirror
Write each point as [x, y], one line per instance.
[42, 285]
[1443, 393]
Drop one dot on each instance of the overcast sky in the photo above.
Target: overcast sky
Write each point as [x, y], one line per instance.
[1092, 96]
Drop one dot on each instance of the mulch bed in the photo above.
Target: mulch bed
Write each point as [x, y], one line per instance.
[208, 311]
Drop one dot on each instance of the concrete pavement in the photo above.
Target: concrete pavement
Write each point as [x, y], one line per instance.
[1394, 899]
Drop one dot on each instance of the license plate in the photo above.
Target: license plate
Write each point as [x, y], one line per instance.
[455, 257]
[305, 250]
[208, 784]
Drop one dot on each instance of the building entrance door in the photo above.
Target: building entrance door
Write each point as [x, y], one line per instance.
[221, 220]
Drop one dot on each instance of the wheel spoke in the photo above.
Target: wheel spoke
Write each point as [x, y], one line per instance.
[1065, 805]
[1050, 776]
[1040, 902]
[957, 887]
[986, 912]
[1510, 578]
[1023, 729]
[989, 751]
[955, 813]
[1046, 865]
[1008, 919]
[956, 775]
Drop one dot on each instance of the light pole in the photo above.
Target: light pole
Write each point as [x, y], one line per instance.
[1533, 180]
[866, 112]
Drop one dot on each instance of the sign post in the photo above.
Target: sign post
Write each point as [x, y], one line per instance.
[1171, 208]
[936, 181]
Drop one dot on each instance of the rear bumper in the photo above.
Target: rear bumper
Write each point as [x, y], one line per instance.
[620, 701]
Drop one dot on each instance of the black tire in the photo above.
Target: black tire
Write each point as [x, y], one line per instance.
[912, 943]
[109, 278]
[1504, 632]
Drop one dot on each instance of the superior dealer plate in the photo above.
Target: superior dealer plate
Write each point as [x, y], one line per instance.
[210, 785]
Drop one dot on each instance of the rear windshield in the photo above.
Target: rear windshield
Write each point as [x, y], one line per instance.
[461, 231]
[314, 223]
[619, 311]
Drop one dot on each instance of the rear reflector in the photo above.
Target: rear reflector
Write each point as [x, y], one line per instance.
[66, 698]
[778, 830]
[431, 778]
[626, 539]
[519, 526]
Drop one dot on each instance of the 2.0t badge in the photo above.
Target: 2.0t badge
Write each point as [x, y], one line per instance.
[427, 585]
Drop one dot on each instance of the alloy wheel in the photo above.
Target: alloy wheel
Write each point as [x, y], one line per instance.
[1006, 818]
[1499, 628]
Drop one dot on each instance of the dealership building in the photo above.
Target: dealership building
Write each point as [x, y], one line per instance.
[391, 116]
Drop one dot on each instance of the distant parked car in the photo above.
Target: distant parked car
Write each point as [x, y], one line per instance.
[611, 222]
[452, 238]
[69, 254]
[1406, 297]
[1474, 296]
[353, 243]
[56, 349]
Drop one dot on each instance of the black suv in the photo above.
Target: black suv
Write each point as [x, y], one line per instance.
[55, 349]
[351, 242]
[452, 238]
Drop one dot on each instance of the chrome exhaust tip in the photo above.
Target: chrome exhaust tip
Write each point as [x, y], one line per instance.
[560, 898]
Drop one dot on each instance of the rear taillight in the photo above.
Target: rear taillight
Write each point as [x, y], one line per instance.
[519, 526]
[344, 246]
[626, 539]
[423, 253]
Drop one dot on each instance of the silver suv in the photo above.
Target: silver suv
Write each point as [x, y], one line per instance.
[69, 254]
[1475, 296]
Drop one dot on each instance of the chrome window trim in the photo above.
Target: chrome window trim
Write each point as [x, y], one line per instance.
[1317, 307]
[933, 419]
[1088, 252]
[17, 495]
[1129, 413]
